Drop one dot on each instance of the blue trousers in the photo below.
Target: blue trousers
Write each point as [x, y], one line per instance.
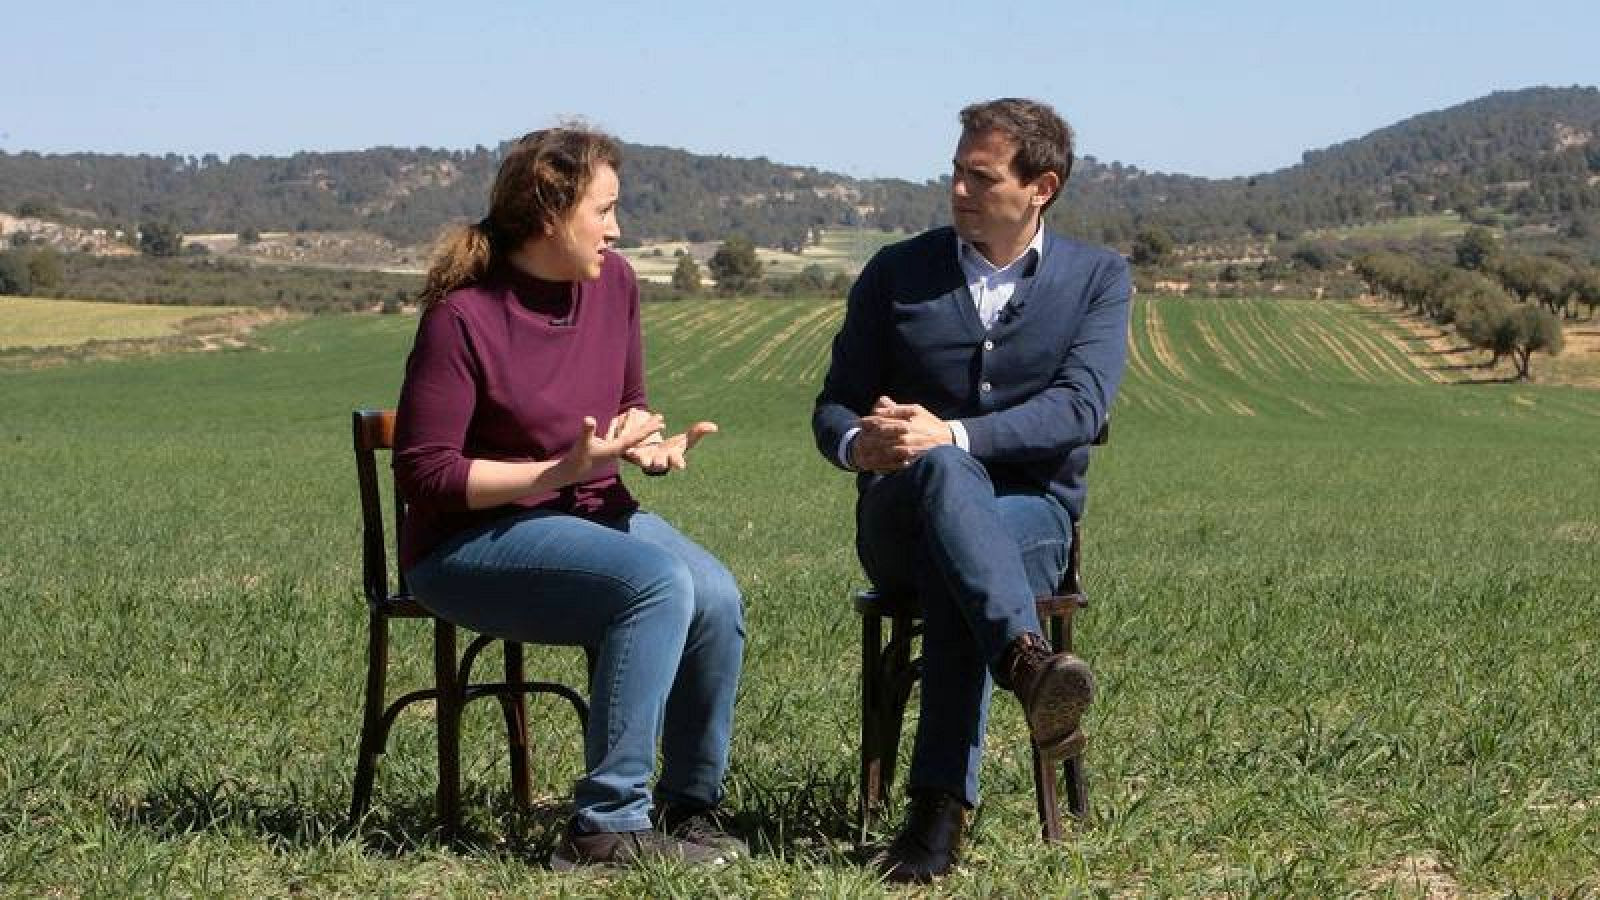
[665, 618]
[976, 557]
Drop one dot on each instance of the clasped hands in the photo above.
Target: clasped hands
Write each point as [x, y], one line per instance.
[635, 435]
[894, 434]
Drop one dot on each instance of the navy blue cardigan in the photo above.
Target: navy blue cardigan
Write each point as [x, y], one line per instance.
[1032, 392]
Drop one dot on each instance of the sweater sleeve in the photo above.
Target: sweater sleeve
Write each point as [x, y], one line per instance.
[855, 376]
[436, 407]
[1070, 411]
[633, 392]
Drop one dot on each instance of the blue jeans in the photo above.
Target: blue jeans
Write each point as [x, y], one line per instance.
[976, 556]
[664, 616]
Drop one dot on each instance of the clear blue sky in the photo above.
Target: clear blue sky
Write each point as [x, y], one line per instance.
[1229, 87]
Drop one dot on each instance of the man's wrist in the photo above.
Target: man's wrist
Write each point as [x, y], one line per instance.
[958, 435]
[845, 453]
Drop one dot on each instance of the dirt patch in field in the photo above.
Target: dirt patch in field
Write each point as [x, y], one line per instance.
[1158, 342]
[1445, 357]
[229, 331]
[1415, 876]
[1579, 532]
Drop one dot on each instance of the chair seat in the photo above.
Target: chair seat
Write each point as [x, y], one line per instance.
[888, 672]
[403, 606]
[904, 604]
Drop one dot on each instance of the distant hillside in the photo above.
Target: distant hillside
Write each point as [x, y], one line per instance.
[1531, 155]
[407, 194]
[1524, 156]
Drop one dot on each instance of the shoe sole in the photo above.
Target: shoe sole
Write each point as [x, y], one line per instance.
[1064, 693]
[559, 863]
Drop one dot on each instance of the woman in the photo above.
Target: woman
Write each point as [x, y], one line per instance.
[522, 392]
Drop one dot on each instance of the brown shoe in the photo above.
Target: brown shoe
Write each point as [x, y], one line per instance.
[616, 849]
[1054, 689]
[704, 826]
[929, 843]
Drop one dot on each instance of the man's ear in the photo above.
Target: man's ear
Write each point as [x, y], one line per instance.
[1045, 187]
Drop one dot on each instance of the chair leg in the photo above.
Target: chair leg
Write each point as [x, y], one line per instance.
[871, 792]
[1077, 778]
[371, 744]
[1044, 794]
[447, 715]
[1060, 638]
[1072, 769]
[515, 707]
[894, 687]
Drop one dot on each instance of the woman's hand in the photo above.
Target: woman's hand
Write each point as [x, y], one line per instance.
[625, 433]
[492, 482]
[638, 415]
[661, 457]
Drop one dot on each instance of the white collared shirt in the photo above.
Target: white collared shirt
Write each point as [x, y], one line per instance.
[992, 287]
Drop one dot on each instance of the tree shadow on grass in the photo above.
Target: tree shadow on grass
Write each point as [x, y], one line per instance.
[393, 829]
[1413, 318]
[1455, 367]
[1492, 379]
[803, 814]
[810, 815]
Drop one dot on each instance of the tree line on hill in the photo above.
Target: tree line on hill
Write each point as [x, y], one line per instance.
[199, 281]
[1311, 268]
[1508, 303]
[1512, 158]
[738, 271]
[166, 273]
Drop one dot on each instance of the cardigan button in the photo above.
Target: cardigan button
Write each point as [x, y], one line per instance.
[985, 386]
[988, 345]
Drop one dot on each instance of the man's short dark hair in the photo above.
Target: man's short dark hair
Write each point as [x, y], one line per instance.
[1043, 138]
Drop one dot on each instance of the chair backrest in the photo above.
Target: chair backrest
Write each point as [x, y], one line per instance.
[373, 430]
[1071, 579]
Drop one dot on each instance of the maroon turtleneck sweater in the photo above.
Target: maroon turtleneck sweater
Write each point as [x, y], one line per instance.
[506, 369]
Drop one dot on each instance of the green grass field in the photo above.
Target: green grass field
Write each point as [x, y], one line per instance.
[40, 323]
[1344, 619]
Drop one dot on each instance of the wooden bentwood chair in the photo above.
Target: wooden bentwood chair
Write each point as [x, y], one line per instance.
[888, 673]
[453, 688]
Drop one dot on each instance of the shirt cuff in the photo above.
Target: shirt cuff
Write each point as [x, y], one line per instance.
[958, 431]
[843, 453]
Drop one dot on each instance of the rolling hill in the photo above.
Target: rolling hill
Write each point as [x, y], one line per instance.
[1525, 156]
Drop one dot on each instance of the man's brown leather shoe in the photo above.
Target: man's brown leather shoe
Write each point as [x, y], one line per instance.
[1054, 689]
[929, 843]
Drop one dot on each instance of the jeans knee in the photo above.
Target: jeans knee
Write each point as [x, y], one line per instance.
[718, 603]
[945, 458]
[667, 588]
[945, 465]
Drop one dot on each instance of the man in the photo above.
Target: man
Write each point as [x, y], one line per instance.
[973, 370]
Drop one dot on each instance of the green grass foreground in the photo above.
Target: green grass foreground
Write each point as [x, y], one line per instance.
[1344, 618]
